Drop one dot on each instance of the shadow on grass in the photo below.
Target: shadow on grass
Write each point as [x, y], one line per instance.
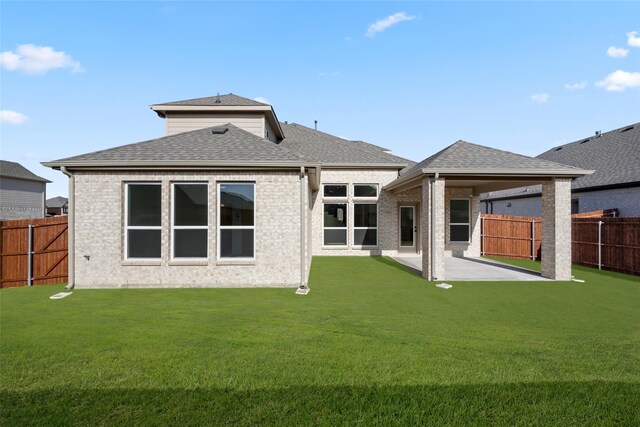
[546, 403]
[395, 264]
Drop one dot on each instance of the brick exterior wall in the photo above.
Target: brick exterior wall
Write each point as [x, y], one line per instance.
[99, 228]
[556, 229]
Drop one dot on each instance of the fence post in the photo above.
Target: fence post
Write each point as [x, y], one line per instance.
[533, 239]
[482, 236]
[599, 245]
[30, 256]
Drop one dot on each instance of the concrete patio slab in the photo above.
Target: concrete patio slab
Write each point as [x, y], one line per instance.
[474, 269]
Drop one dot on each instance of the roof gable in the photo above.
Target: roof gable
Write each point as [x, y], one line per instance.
[17, 171]
[228, 100]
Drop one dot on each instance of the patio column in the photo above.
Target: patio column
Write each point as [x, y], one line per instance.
[432, 224]
[556, 229]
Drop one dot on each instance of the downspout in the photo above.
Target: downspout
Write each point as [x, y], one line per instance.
[303, 269]
[433, 223]
[71, 229]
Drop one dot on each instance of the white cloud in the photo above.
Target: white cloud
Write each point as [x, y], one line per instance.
[262, 99]
[633, 39]
[12, 118]
[387, 22]
[33, 59]
[576, 86]
[617, 52]
[540, 98]
[620, 80]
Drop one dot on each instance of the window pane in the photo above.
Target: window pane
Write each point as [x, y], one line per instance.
[143, 244]
[144, 205]
[236, 204]
[335, 237]
[335, 215]
[365, 190]
[236, 243]
[190, 204]
[365, 237]
[459, 233]
[365, 215]
[459, 211]
[190, 244]
[335, 191]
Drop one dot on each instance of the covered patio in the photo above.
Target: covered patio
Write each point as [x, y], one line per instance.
[451, 182]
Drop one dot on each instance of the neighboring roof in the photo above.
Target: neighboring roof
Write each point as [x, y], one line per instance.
[614, 156]
[329, 150]
[57, 202]
[226, 143]
[466, 159]
[228, 100]
[17, 171]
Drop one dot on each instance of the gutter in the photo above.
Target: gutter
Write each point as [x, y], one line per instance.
[71, 229]
[303, 270]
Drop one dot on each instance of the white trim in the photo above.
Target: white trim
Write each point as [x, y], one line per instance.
[219, 227]
[468, 224]
[128, 227]
[344, 203]
[173, 227]
[374, 203]
[413, 228]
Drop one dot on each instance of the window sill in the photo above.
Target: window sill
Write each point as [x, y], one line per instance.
[247, 262]
[366, 247]
[335, 247]
[188, 262]
[141, 262]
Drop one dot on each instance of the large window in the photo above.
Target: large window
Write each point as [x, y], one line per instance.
[365, 224]
[236, 220]
[365, 190]
[459, 220]
[335, 190]
[143, 221]
[335, 224]
[189, 220]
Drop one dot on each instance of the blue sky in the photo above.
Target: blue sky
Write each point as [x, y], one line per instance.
[414, 77]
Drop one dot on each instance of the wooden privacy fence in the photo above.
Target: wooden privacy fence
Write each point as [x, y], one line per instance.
[598, 239]
[33, 251]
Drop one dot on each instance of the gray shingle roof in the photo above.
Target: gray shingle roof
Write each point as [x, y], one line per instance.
[16, 170]
[465, 155]
[228, 100]
[234, 144]
[323, 148]
[615, 157]
[57, 202]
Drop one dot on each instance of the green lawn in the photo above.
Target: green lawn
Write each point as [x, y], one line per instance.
[372, 344]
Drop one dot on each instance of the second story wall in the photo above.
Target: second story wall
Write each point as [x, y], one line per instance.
[178, 122]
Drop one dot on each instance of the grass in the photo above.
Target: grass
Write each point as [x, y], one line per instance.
[372, 344]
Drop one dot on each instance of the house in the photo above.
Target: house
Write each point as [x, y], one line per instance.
[58, 206]
[615, 183]
[22, 193]
[233, 197]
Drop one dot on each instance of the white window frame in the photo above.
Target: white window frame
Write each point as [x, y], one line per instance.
[365, 228]
[219, 227]
[345, 228]
[187, 227]
[345, 197]
[128, 227]
[366, 197]
[468, 224]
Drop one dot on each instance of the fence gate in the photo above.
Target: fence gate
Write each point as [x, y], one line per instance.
[33, 252]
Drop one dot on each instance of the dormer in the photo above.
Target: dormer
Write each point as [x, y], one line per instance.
[191, 114]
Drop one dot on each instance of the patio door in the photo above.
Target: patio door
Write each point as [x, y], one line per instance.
[408, 228]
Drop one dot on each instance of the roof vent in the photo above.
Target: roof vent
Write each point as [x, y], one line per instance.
[627, 128]
[585, 140]
[558, 149]
[218, 101]
[598, 133]
[219, 131]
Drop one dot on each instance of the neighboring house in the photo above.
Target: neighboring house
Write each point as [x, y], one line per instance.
[233, 197]
[22, 193]
[58, 206]
[615, 184]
